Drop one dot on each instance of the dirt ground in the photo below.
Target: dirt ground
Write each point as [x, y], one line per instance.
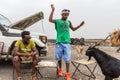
[6, 68]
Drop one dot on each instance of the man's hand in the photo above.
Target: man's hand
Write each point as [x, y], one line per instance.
[51, 14]
[33, 53]
[82, 23]
[52, 6]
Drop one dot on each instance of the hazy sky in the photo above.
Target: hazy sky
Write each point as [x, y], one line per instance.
[101, 16]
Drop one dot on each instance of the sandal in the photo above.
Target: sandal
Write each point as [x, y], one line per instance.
[33, 77]
[19, 78]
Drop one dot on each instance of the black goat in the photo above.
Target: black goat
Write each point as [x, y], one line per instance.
[109, 65]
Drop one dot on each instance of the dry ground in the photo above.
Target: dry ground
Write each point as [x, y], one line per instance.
[6, 67]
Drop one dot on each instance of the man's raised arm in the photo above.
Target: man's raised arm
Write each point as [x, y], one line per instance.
[51, 14]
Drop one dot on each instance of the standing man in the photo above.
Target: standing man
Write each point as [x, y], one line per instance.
[25, 50]
[63, 39]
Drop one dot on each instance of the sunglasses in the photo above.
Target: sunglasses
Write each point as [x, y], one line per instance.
[66, 10]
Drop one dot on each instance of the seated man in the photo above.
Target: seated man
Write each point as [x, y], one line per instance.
[25, 50]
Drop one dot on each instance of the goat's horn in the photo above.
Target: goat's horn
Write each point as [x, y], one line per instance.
[102, 41]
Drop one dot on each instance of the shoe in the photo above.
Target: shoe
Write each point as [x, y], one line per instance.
[67, 75]
[60, 72]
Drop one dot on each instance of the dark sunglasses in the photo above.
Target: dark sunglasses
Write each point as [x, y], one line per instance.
[66, 10]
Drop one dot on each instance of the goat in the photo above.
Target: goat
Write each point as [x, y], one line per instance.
[109, 65]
